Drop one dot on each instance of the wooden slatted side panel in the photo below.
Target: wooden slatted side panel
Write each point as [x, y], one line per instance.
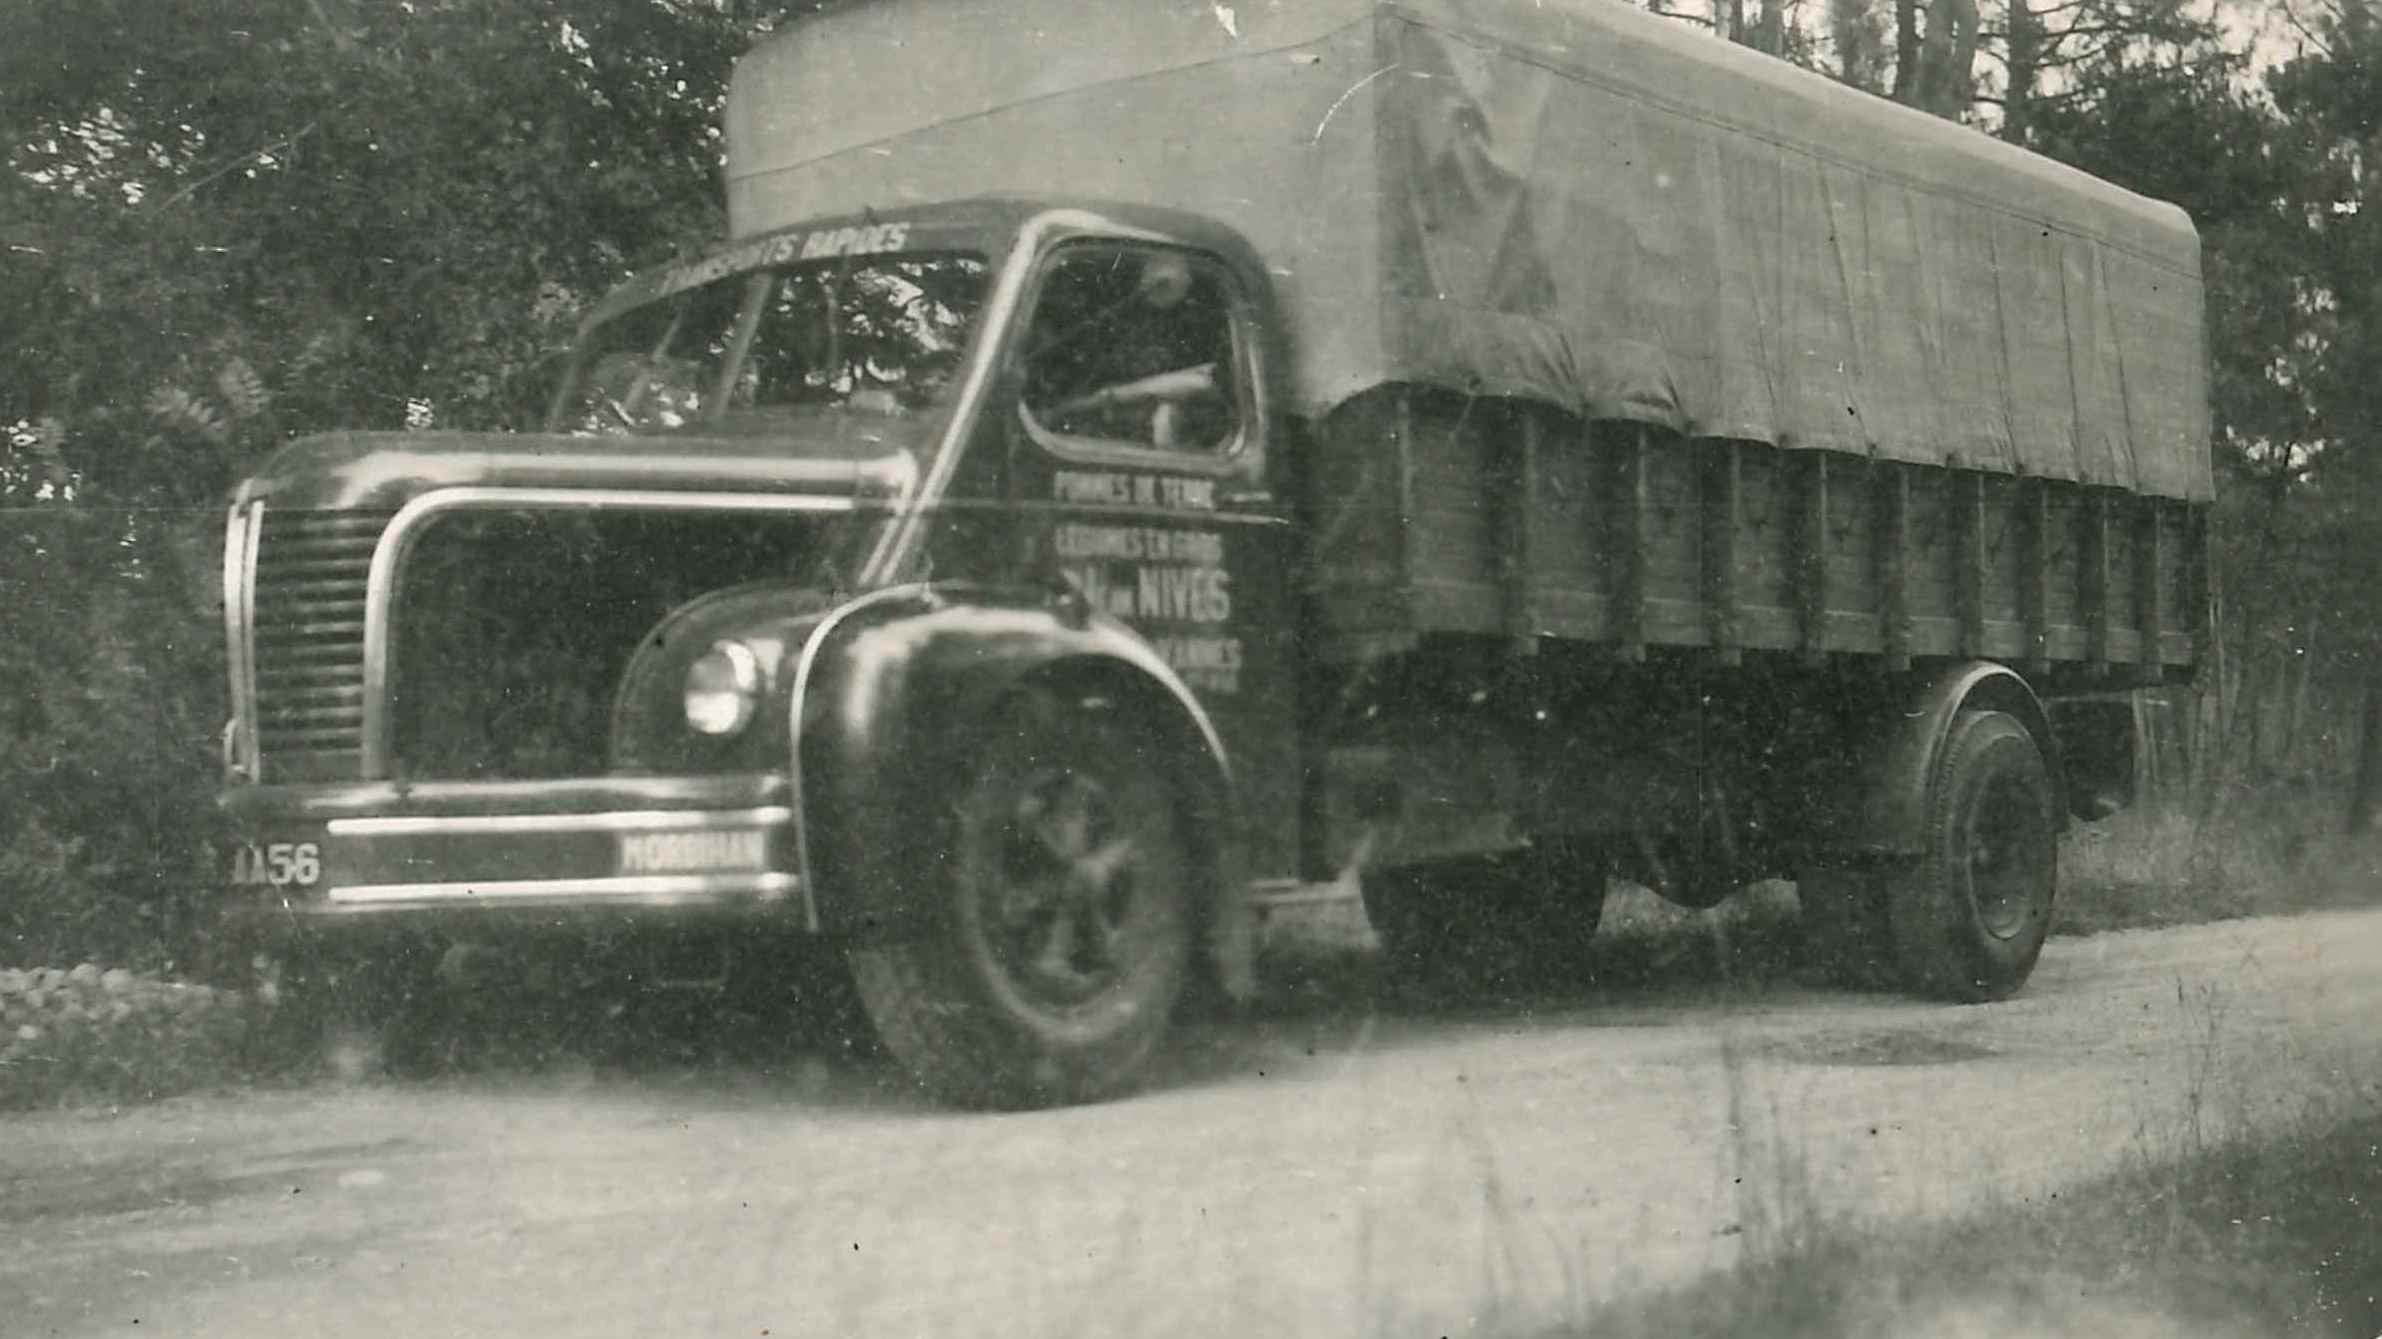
[1893, 561]
[1357, 543]
[1811, 557]
[2004, 579]
[1934, 548]
[1497, 518]
[1762, 560]
[1674, 541]
[1455, 553]
[2064, 514]
[2033, 531]
[1724, 523]
[2126, 574]
[1850, 557]
[1518, 516]
[1570, 568]
[1629, 539]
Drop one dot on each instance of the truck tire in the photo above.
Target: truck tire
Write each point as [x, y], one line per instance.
[1064, 927]
[1516, 918]
[1971, 912]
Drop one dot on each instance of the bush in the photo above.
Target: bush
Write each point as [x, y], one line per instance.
[2262, 853]
[88, 1035]
[110, 696]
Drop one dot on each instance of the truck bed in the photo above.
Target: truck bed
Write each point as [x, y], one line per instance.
[1443, 514]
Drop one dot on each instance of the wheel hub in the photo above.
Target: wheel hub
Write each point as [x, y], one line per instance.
[2000, 836]
[1068, 889]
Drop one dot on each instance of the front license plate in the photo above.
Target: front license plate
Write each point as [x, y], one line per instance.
[277, 864]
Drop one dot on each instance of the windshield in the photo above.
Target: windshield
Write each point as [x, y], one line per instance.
[873, 338]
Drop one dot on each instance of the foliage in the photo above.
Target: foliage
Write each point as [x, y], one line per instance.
[222, 228]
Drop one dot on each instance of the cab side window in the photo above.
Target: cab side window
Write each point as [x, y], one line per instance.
[1132, 346]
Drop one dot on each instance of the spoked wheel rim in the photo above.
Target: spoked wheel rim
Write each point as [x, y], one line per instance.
[2002, 861]
[1078, 878]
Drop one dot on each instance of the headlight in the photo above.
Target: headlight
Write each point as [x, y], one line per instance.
[722, 688]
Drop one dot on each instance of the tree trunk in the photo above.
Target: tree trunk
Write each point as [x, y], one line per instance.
[2026, 58]
[2365, 796]
[1906, 49]
[1947, 58]
[1769, 30]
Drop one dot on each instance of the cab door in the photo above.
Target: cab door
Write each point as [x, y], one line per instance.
[1137, 466]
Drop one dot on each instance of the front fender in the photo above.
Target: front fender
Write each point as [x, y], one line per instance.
[1903, 751]
[891, 695]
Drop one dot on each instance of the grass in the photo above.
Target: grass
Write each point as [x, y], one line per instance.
[2262, 855]
[2273, 1237]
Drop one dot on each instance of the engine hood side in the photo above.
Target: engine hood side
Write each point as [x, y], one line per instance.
[384, 470]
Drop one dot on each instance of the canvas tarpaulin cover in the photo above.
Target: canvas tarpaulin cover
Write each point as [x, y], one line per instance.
[1569, 201]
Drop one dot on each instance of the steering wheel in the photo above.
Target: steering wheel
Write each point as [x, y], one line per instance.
[1180, 386]
[1170, 391]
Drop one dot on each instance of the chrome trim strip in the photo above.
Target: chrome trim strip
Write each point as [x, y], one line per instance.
[796, 696]
[235, 540]
[397, 537]
[656, 889]
[901, 539]
[633, 820]
[243, 531]
[318, 801]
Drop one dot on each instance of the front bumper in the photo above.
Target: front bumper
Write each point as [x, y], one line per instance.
[388, 849]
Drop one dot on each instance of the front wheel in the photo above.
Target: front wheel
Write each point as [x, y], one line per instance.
[1065, 924]
[1974, 909]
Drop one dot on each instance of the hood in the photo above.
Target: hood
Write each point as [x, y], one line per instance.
[384, 470]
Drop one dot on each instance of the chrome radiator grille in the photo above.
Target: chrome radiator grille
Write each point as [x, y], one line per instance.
[308, 639]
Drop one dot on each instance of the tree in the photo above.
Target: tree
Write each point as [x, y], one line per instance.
[224, 227]
[2332, 97]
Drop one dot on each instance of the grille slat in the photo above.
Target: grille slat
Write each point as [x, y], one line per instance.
[292, 701]
[313, 589]
[309, 610]
[322, 631]
[305, 662]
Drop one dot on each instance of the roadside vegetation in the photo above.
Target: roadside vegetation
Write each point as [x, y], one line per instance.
[2163, 865]
[2272, 1237]
[2276, 1231]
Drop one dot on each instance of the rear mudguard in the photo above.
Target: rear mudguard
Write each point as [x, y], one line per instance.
[893, 692]
[1902, 751]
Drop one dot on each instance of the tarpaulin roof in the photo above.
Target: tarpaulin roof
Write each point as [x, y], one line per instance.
[1568, 200]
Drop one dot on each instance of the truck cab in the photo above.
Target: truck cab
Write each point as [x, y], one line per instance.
[820, 523]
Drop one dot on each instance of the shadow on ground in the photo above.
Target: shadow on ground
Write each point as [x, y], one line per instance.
[794, 1027]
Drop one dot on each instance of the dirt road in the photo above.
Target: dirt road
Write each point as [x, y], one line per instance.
[1341, 1171]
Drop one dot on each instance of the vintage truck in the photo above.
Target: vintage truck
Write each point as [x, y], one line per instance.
[1132, 461]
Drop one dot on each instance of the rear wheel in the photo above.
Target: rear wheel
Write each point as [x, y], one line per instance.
[1970, 917]
[1066, 920]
